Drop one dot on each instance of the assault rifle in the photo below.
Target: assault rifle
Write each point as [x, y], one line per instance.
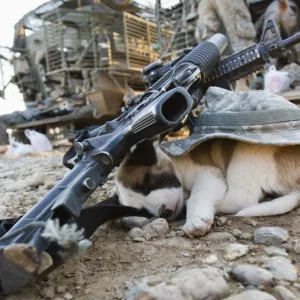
[53, 229]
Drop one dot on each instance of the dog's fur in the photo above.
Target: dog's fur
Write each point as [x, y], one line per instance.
[223, 176]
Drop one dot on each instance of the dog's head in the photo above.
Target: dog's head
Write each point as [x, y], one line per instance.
[147, 178]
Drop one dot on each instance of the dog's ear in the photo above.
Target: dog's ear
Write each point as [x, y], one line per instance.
[144, 154]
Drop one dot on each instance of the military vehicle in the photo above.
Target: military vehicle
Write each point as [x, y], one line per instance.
[75, 60]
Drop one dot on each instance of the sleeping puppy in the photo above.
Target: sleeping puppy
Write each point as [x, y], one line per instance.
[223, 176]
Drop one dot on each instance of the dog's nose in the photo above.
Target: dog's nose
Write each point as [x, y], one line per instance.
[165, 212]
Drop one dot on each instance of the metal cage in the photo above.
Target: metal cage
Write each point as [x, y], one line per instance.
[176, 26]
[77, 40]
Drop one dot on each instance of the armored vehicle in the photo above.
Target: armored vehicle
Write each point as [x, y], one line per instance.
[75, 61]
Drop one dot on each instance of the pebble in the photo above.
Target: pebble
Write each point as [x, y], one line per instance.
[282, 293]
[210, 259]
[236, 232]
[282, 268]
[251, 295]
[68, 296]
[158, 228]
[138, 239]
[275, 251]
[197, 283]
[270, 235]
[131, 222]
[36, 180]
[49, 185]
[219, 237]
[136, 233]
[246, 236]
[253, 275]
[221, 221]
[61, 289]
[234, 251]
[297, 246]
[48, 292]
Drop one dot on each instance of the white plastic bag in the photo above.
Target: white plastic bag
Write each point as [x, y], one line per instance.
[276, 81]
[38, 141]
[17, 148]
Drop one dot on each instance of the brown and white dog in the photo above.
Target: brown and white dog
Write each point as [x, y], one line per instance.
[223, 177]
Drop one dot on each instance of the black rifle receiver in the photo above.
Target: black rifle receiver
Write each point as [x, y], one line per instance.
[165, 106]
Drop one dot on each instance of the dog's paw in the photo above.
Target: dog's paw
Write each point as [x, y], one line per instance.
[197, 226]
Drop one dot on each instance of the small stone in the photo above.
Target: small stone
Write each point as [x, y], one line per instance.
[253, 223]
[234, 251]
[48, 292]
[246, 236]
[131, 222]
[297, 246]
[275, 251]
[136, 232]
[158, 228]
[36, 180]
[139, 239]
[282, 268]
[200, 283]
[68, 296]
[282, 293]
[210, 259]
[253, 275]
[61, 289]
[236, 232]
[124, 258]
[251, 295]
[87, 291]
[49, 185]
[219, 237]
[270, 235]
[221, 221]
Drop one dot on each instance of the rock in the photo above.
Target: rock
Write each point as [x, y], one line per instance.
[139, 239]
[219, 237]
[199, 283]
[253, 275]
[246, 236]
[210, 259]
[282, 293]
[251, 295]
[253, 222]
[124, 258]
[270, 235]
[160, 292]
[275, 251]
[221, 221]
[36, 180]
[236, 232]
[50, 184]
[61, 289]
[131, 222]
[136, 232]
[281, 268]
[297, 246]
[48, 292]
[68, 296]
[158, 228]
[234, 251]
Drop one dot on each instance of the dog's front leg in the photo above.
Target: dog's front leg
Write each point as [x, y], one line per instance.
[208, 190]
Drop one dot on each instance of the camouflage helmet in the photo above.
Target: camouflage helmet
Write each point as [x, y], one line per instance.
[255, 117]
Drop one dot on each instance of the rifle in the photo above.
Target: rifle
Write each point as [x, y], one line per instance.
[58, 227]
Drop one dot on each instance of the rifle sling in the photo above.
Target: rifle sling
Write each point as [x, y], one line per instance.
[91, 217]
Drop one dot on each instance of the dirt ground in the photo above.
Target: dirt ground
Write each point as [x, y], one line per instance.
[115, 263]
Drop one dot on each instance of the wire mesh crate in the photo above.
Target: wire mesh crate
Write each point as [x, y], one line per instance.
[77, 40]
[176, 26]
